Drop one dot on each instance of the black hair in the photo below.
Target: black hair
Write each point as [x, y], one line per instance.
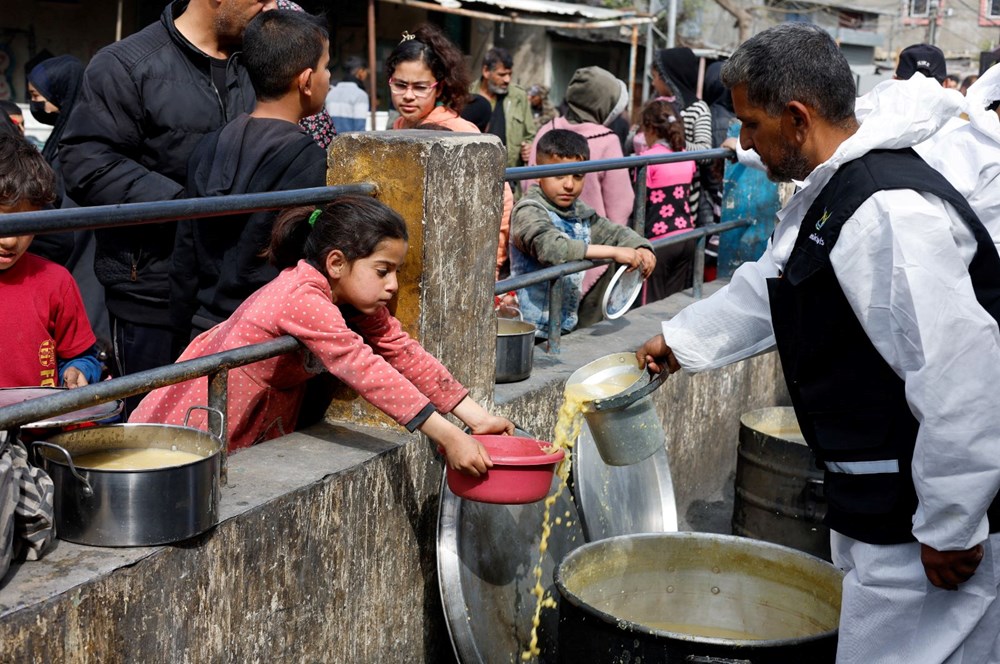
[354, 225]
[497, 56]
[10, 107]
[794, 62]
[563, 143]
[24, 173]
[432, 126]
[278, 45]
[662, 119]
[353, 64]
[430, 46]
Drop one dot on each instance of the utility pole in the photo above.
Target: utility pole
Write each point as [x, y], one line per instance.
[654, 8]
[932, 13]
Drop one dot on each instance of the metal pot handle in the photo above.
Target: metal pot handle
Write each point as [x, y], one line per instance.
[87, 491]
[211, 411]
[620, 401]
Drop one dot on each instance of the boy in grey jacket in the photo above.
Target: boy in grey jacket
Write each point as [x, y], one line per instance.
[551, 226]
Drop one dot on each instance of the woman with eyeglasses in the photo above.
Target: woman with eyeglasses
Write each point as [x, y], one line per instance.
[429, 84]
[428, 81]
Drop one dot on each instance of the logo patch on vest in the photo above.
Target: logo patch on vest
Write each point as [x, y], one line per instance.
[822, 220]
[818, 240]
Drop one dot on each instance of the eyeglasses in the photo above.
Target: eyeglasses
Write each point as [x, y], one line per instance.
[418, 89]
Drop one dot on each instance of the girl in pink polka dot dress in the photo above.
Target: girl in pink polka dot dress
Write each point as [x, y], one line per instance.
[334, 301]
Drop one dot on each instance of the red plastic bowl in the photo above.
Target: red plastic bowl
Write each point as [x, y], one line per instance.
[521, 472]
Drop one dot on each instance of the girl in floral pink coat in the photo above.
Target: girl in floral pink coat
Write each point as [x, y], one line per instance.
[339, 274]
[668, 187]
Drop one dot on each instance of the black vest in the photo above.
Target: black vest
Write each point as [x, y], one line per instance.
[850, 404]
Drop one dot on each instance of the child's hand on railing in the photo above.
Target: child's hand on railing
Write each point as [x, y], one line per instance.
[647, 262]
[627, 256]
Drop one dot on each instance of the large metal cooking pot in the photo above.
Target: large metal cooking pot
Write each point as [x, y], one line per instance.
[696, 597]
[515, 350]
[625, 427]
[133, 507]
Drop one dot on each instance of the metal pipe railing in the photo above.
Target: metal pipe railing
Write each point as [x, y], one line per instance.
[554, 273]
[533, 172]
[132, 214]
[67, 401]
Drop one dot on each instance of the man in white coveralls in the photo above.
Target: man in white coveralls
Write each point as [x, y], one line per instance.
[880, 289]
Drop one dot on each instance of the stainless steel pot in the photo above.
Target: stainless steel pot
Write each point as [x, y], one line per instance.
[625, 427]
[515, 350]
[696, 597]
[133, 507]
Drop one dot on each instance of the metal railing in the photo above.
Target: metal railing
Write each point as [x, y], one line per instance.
[216, 366]
[552, 275]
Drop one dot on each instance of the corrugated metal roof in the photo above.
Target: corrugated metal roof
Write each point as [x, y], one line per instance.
[543, 7]
[849, 6]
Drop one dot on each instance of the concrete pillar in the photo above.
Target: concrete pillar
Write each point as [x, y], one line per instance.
[448, 188]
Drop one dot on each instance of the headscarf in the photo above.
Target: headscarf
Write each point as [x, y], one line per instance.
[57, 79]
[678, 67]
[595, 95]
[715, 91]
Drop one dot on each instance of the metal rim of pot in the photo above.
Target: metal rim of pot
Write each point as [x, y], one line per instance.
[187, 416]
[751, 644]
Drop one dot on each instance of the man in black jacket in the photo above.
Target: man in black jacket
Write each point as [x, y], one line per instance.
[146, 102]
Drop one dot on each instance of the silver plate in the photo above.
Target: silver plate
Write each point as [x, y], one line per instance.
[486, 557]
[621, 292]
[13, 395]
[622, 500]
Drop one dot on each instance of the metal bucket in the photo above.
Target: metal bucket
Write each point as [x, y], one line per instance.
[515, 350]
[779, 489]
[696, 597]
[626, 429]
[133, 507]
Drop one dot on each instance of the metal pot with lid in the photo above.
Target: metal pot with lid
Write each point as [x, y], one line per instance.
[99, 504]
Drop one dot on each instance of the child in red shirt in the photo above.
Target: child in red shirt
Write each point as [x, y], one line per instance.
[46, 337]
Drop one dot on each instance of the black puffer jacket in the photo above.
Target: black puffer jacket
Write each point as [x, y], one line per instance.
[146, 102]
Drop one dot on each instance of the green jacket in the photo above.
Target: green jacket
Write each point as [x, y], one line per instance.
[520, 120]
[532, 232]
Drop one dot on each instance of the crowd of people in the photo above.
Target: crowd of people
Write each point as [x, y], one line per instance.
[879, 288]
[213, 101]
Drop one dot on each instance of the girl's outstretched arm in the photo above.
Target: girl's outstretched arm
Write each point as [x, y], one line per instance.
[461, 450]
[479, 419]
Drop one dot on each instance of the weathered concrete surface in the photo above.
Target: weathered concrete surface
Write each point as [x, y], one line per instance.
[700, 412]
[447, 187]
[324, 555]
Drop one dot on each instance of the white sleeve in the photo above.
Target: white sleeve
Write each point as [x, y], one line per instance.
[902, 263]
[731, 325]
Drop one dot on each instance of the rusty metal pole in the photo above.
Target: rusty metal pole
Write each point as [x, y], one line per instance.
[218, 398]
[372, 103]
[632, 57]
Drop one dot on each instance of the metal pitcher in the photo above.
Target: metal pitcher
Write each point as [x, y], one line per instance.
[625, 426]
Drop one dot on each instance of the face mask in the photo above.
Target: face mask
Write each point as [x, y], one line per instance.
[40, 114]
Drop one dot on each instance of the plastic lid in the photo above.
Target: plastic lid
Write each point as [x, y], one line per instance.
[621, 292]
